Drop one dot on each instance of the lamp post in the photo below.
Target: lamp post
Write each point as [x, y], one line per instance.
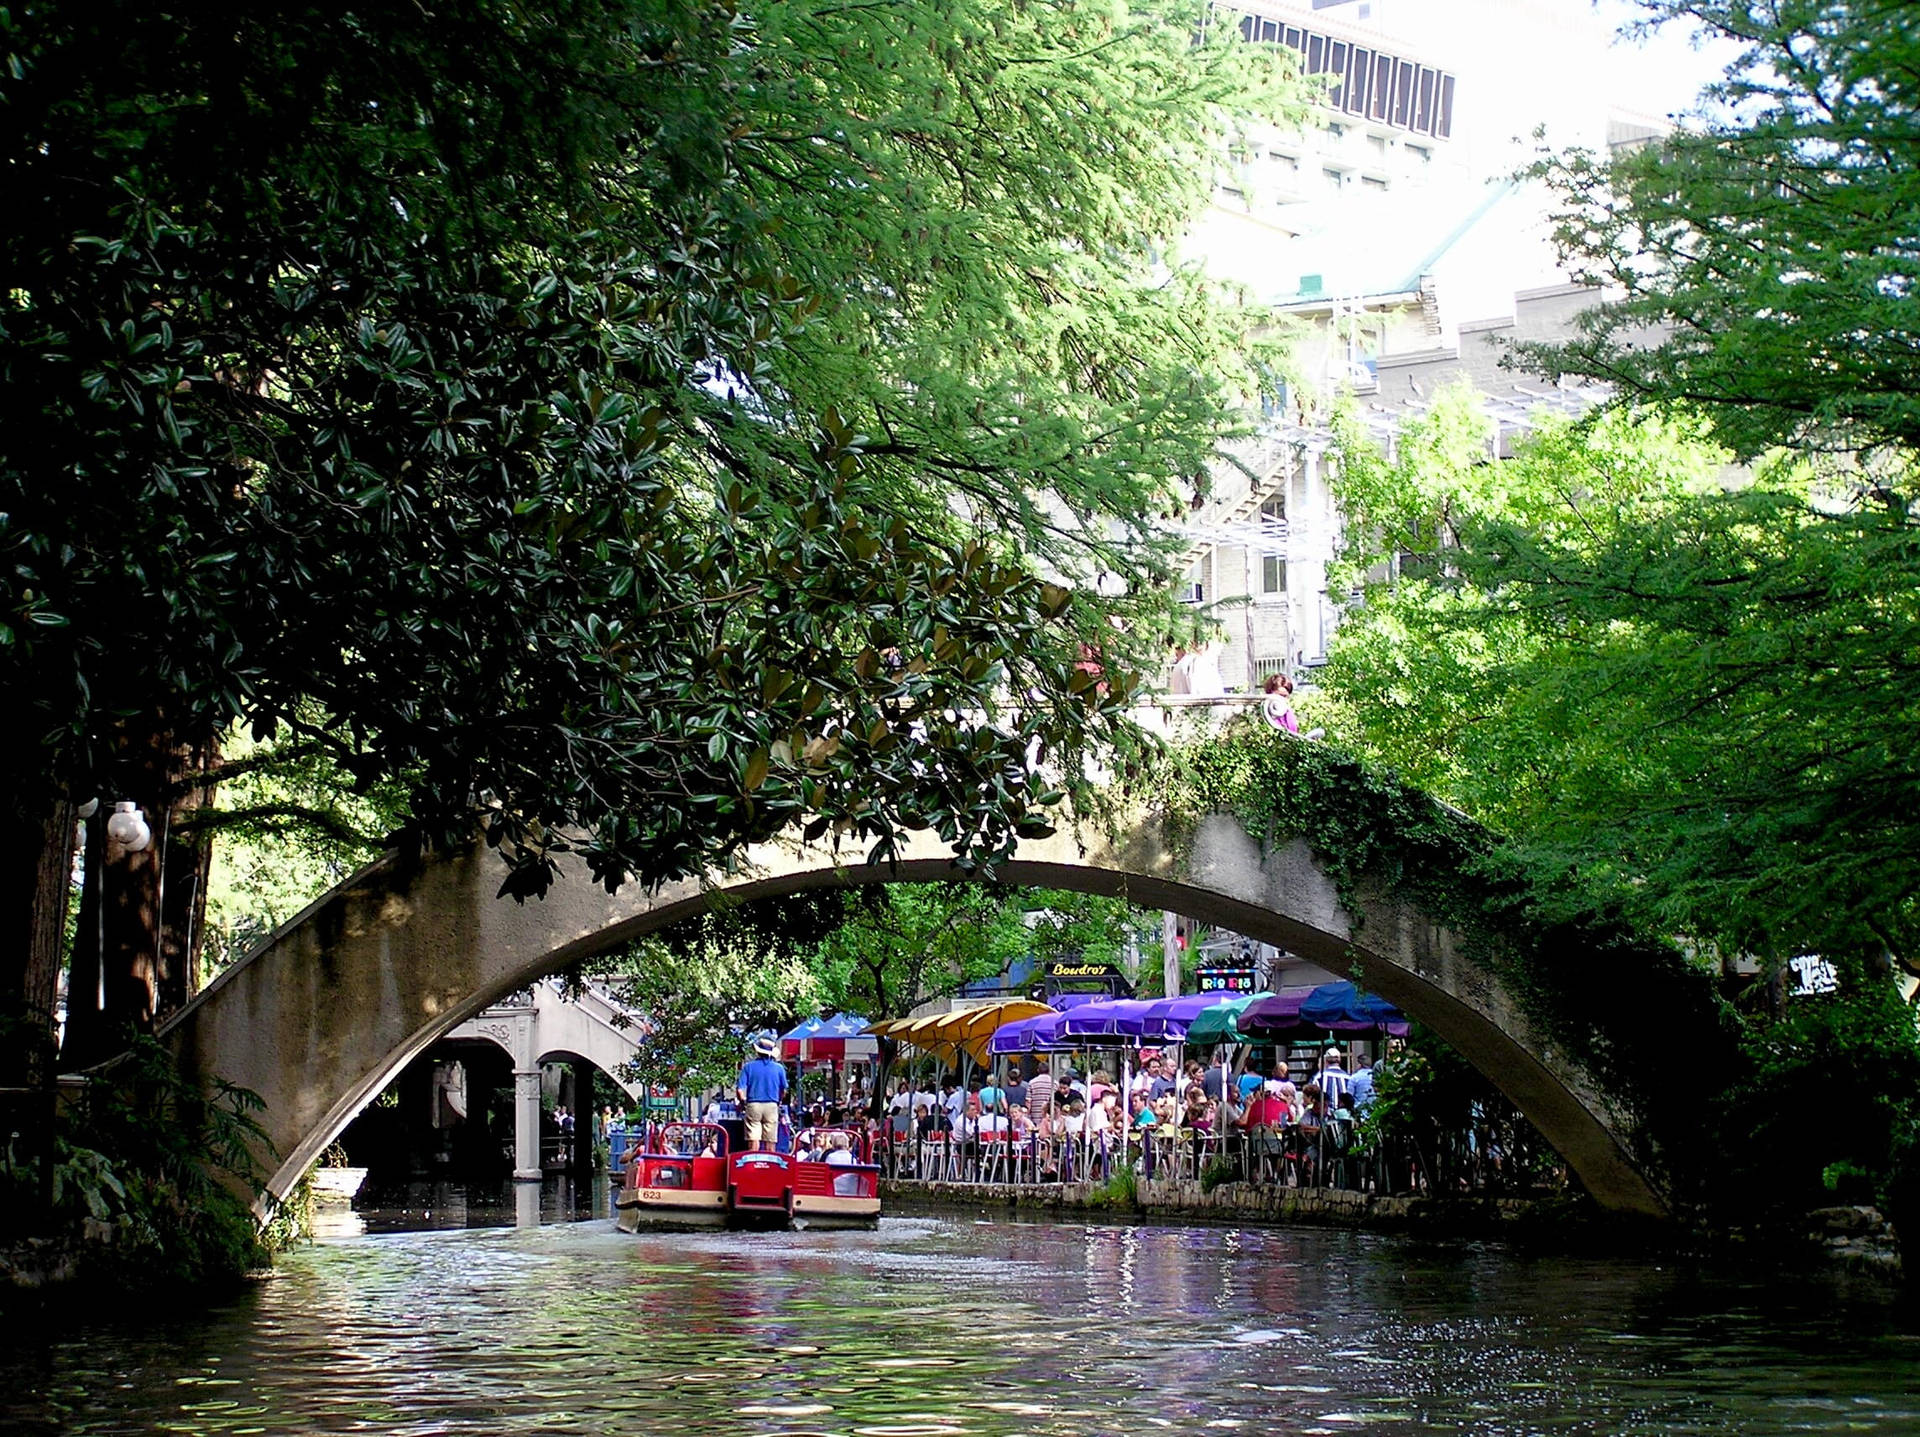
[128, 827]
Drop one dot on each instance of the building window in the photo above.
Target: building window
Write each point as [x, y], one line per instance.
[1273, 531]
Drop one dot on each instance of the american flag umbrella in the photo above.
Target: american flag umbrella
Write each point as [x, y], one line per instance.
[792, 1041]
[841, 1036]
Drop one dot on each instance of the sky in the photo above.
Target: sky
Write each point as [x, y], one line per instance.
[1665, 73]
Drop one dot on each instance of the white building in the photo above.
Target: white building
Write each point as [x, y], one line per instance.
[1390, 231]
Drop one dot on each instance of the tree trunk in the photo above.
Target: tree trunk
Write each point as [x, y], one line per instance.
[115, 989]
[36, 877]
[186, 855]
[136, 949]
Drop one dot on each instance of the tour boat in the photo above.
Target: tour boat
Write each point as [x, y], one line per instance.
[701, 1175]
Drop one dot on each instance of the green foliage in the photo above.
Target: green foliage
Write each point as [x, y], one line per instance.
[1016, 174]
[1616, 1003]
[1120, 1192]
[564, 414]
[1828, 1089]
[147, 1180]
[1660, 687]
[703, 986]
[290, 824]
[905, 945]
[1766, 245]
[1219, 1169]
[1402, 1090]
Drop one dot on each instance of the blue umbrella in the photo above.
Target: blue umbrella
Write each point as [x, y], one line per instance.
[1343, 1008]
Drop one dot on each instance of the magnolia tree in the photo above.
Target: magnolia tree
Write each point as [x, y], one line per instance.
[630, 428]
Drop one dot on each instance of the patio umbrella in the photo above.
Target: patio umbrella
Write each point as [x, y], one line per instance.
[949, 1036]
[1039, 1034]
[792, 1040]
[842, 1036]
[1276, 1014]
[1218, 1024]
[1343, 1008]
[1167, 1018]
[1122, 1018]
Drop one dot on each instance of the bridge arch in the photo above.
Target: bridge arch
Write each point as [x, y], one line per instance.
[319, 1019]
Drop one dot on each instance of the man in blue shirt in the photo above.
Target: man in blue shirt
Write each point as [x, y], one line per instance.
[1362, 1085]
[763, 1083]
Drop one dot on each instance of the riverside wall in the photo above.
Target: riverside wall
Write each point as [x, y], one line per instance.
[1186, 1200]
[1854, 1240]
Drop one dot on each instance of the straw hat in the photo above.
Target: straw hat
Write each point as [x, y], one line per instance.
[766, 1047]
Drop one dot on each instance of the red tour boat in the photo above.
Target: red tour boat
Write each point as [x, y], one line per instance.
[697, 1175]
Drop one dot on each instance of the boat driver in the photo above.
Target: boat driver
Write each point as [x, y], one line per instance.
[763, 1083]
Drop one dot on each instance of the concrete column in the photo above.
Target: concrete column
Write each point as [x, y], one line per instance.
[526, 1125]
[526, 1206]
[1170, 954]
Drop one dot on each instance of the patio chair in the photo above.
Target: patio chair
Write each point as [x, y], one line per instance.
[937, 1159]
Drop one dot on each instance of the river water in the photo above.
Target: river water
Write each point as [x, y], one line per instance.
[938, 1325]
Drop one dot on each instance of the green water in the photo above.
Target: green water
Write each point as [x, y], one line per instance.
[952, 1326]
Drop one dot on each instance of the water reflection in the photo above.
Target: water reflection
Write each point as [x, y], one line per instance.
[938, 1326]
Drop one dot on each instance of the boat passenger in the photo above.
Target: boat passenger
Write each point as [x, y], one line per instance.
[839, 1154]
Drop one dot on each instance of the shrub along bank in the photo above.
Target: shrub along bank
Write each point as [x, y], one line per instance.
[142, 1188]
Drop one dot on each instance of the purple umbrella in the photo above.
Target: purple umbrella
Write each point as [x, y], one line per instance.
[1029, 1035]
[1115, 1018]
[1064, 1001]
[1275, 1013]
[1167, 1018]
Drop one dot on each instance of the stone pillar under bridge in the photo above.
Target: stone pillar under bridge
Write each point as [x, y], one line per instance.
[526, 1125]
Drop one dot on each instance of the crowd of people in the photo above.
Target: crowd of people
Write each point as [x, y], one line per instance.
[1168, 1119]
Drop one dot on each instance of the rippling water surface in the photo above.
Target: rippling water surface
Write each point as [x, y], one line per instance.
[953, 1326]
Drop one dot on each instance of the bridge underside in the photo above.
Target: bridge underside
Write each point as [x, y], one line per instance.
[319, 1019]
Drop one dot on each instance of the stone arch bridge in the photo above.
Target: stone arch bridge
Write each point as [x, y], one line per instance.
[321, 1017]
